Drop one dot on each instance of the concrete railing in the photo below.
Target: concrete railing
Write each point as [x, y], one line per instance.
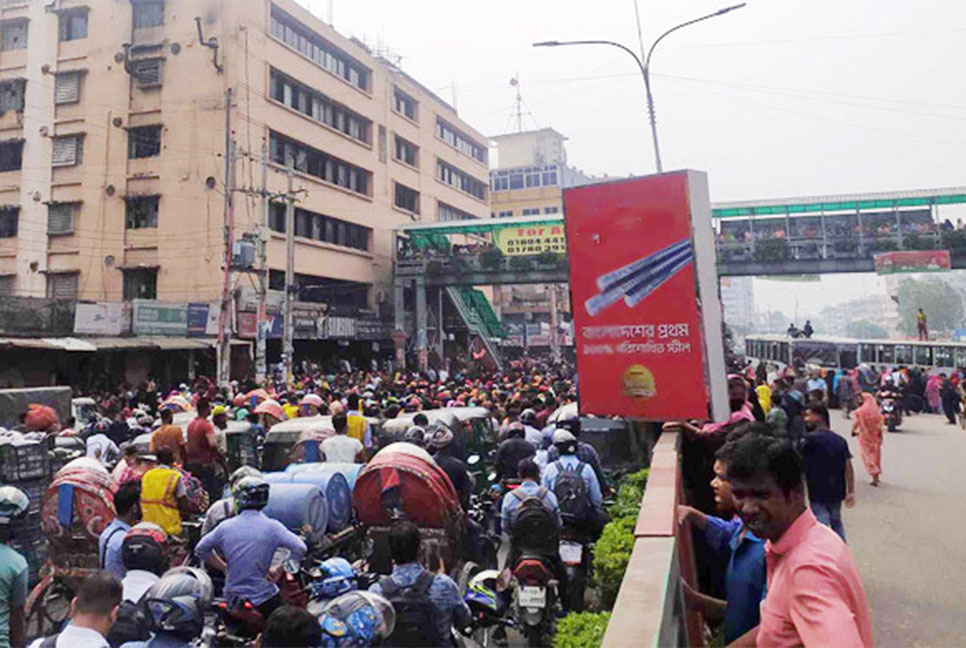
[649, 610]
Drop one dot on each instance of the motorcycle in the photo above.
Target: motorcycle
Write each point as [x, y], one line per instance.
[535, 599]
[576, 552]
[889, 409]
[487, 608]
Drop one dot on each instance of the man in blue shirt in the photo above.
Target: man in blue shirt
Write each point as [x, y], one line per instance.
[528, 471]
[244, 546]
[127, 504]
[566, 444]
[733, 545]
[445, 596]
[828, 470]
[585, 452]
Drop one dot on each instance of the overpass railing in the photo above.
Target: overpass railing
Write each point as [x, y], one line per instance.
[650, 610]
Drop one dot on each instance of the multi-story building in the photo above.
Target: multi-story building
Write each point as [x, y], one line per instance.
[738, 301]
[113, 147]
[527, 178]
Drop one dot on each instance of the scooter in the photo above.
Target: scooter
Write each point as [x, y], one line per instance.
[890, 410]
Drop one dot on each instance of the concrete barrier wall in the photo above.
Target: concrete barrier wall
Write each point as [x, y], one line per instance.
[649, 610]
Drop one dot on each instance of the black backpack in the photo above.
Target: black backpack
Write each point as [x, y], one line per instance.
[535, 528]
[571, 492]
[131, 625]
[415, 614]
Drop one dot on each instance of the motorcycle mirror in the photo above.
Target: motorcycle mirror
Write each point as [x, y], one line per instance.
[291, 566]
[473, 459]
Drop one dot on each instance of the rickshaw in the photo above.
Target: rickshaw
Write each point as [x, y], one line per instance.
[290, 441]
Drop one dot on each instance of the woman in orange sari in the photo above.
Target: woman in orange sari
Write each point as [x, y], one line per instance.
[868, 427]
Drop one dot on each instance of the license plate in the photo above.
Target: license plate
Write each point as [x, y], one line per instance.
[532, 597]
[571, 553]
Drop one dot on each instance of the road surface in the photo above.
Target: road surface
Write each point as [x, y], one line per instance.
[908, 535]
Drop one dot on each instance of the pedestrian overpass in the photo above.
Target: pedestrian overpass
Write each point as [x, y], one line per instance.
[439, 263]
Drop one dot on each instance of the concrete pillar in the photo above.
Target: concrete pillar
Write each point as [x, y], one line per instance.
[399, 316]
[442, 332]
[421, 323]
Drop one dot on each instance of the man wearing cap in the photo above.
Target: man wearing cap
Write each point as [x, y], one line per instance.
[310, 405]
[566, 444]
[440, 444]
[203, 456]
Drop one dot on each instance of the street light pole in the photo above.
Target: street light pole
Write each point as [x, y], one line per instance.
[645, 67]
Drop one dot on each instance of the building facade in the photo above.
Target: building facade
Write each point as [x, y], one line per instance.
[113, 142]
[738, 301]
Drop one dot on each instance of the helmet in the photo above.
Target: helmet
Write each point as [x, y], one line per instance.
[242, 472]
[338, 577]
[482, 589]
[144, 548]
[311, 399]
[218, 410]
[13, 504]
[441, 436]
[516, 429]
[565, 441]
[572, 425]
[368, 616]
[528, 416]
[251, 493]
[272, 408]
[241, 414]
[416, 435]
[176, 604]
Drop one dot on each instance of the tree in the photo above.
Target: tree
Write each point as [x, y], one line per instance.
[942, 304]
[865, 330]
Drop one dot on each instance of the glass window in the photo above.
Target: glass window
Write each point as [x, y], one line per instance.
[148, 13]
[67, 87]
[406, 198]
[315, 48]
[887, 353]
[551, 210]
[141, 212]
[405, 104]
[11, 153]
[13, 35]
[62, 286]
[11, 95]
[516, 180]
[141, 284]
[924, 355]
[73, 25]
[67, 150]
[60, 217]
[144, 141]
[9, 221]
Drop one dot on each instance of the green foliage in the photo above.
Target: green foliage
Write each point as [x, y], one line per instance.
[611, 555]
[628, 500]
[845, 246]
[548, 258]
[774, 249]
[919, 242]
[581, 630]
[885, 245]
[520, 262]
[942, 304]
[865, 330]
[491, 259]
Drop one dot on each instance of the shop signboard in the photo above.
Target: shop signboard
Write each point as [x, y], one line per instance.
[643, 280]
[203, 319]
[912, 261]
[531, 239]
[248, 325]
[154, 318]
[99, 318]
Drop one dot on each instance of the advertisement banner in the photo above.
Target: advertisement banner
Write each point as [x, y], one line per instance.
[202, 319]
[534, 239]
[99, 318]
[515, 334]
[638, 250]
[912, 261]
[248, 325]
[152, 318]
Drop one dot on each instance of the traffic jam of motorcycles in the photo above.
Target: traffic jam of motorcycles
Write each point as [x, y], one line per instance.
[350, 509]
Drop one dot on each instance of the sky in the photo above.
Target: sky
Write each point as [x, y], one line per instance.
[781, 98]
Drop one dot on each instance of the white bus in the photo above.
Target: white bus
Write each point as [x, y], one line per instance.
[847, 353]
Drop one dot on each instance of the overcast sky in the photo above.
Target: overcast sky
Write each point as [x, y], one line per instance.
[781, 98]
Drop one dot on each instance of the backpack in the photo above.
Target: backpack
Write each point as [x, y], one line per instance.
[535, 528]
[571, 492]
[415, 613]
[131, 625]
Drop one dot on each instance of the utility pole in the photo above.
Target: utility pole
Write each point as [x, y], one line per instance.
[224, 317]
[261, 324]
[288, 346]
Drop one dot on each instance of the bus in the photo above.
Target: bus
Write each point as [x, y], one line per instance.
[847, 353]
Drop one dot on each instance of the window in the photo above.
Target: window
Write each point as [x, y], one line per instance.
[9, 218]
[68, 150]
[506, 214]
[67, 87]
[407, 152]
[319, 107]
[312, 46]
[531, 211]
[13, 35]
[73, 25]
[317, 227]
[147, 13]
[525, 177]
[11, 95]
[462, 181]
[459, 141]
[446, 212]
[60, 217]
[141, 284]
[11, 153]
[406, 198]
[8, 285]
[141, 212]
[404, 104]
[144, 141]
[551, 210]
[288, 152]
[62, 285]
[146, 73]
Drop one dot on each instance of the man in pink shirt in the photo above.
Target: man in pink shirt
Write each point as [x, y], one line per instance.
[815, 595]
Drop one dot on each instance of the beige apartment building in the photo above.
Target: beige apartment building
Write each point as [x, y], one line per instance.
[113, 139]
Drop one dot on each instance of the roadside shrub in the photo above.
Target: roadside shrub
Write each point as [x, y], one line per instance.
[611, 555]
[581, 630]
[629, 494]
[491, 259]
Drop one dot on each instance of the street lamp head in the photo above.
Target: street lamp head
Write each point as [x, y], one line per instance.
[721, 12]
[547, 44]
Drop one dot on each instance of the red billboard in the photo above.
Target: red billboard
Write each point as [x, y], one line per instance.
[912, 261]
[636, 287]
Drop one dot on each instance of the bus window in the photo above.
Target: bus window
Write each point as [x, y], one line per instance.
[943, 356]
[924, 355]
[903, 354]
[960, 357]
[886, 353]
[867, 353]
[783, 353]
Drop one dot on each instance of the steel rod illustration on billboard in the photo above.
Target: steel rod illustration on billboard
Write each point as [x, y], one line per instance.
[648, 345]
